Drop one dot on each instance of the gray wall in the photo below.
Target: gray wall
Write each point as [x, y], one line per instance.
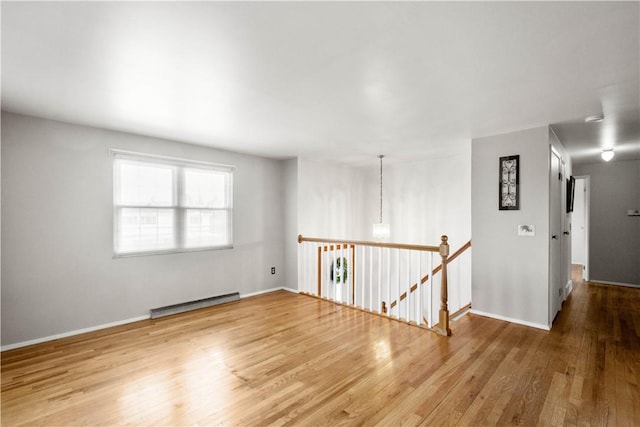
[58, 271]
[510, 273]
[614, 240]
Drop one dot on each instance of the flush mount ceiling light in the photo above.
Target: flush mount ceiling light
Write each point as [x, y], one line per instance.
[594, 119]
[607, 154]
[381, 231]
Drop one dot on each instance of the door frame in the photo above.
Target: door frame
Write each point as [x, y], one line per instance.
[557, 275]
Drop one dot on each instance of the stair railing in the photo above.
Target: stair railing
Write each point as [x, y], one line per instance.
[425, 279]
[368, 275]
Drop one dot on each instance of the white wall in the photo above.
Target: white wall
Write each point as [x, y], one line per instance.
[330, 200]
[614, 238]
[423, 199]
[578, 247]
[58, 271]
[290, 186]
[510, 273]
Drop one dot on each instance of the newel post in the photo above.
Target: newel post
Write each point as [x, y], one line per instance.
[443, 324]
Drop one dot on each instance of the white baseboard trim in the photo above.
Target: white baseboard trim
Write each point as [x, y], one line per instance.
[118, 323]
[605, 282]
[567, 289]
[510, 319]
[72, 333]
[266, 291]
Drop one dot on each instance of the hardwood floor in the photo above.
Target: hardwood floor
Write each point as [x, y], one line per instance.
[287, 359]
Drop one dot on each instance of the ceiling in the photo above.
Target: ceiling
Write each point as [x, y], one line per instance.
[343, 81]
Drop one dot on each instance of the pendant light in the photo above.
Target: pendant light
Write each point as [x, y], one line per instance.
[381, 231]
[607, 154]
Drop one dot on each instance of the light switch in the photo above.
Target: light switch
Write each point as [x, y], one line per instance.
[527, 230]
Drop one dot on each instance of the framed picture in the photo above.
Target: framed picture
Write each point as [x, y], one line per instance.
[571, 193]
[509, 184]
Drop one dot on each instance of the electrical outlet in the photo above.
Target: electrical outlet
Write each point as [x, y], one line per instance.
[273, 270]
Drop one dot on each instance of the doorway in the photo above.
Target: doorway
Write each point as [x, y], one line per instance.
[580, 226]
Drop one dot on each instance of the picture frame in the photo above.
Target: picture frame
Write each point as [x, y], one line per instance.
[509, 183]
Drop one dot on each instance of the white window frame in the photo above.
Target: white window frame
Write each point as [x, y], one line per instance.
[179, 206]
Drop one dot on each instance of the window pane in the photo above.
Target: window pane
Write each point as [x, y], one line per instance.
[145, 229]
[206, 228]
[205, 189]
[145, 184]
[170, 205]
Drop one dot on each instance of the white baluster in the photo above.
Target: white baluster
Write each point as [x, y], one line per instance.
[301, 264]
[309, 270]
[354, 279]
[430, 287]
[409, 282]
[370, 278]
[336, 286]
[363, 257]
[408, 286]
[326, 260]
[342, 271]
[379, 295]
[305, 267]
[398, 284]
[321, 275]
[323, 269]
[419, 290]
[303, 255]
[388, 251]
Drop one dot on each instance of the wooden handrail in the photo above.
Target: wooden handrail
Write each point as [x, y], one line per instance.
[459, 252]
[436, 270]
[301, 239]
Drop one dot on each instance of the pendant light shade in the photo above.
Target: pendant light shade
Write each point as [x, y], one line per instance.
[381, 231]
[607, 154]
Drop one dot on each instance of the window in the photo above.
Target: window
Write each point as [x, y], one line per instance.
[170, 205]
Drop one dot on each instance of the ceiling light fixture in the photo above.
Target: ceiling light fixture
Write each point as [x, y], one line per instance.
[594, 119]
[381, 231]
[607, 154]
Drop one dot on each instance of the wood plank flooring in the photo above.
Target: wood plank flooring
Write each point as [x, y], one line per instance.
[288, 359]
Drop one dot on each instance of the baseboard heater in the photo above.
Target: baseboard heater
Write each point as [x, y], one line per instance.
[193, 305]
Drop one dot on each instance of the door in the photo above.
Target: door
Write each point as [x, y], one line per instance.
[579, 228]
[556, 181]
